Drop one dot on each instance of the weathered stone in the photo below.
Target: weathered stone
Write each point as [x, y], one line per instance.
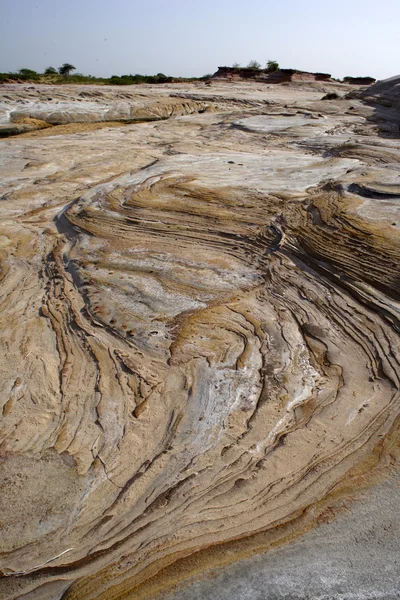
[200, 330]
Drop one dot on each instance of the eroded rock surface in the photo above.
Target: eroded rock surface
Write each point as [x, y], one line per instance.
[28, 107]
[200, 333]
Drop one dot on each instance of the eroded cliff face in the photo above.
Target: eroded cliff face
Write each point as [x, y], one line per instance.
[200, 335]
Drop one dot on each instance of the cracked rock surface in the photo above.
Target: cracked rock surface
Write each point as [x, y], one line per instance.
[199, 329]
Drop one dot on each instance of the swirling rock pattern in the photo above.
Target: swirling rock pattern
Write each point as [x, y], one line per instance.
[200, 334]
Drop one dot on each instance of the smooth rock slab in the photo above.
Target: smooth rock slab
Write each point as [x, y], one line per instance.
[354, 558]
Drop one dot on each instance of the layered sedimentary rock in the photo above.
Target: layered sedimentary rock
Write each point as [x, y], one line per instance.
[278, 76]
[35, 107]
[200, 336]
[385, 93]
[360, 80]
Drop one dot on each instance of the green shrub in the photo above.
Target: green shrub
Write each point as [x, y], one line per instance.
[272, 66]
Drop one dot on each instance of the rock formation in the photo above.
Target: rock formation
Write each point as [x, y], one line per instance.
[360, 80]
[278, 76]
[385, 93]
[200, 332]
[28, 108]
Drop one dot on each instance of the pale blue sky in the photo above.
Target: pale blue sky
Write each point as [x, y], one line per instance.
[194, 37]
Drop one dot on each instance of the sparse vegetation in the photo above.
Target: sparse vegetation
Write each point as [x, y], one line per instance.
[64, 75]
[27, 74]
[272, 66]
[133, 79]
[21, 75]
[253, 64]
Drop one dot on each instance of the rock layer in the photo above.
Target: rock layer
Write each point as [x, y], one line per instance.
[199, 334]
[35, 107]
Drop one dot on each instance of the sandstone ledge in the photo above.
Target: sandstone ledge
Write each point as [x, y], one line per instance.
[200, 334]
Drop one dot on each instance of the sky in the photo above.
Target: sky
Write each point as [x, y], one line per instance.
[191, 38]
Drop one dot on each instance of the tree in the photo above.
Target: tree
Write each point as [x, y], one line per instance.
[272, 66]
[28, 73]
[253, 64]
[236, 66]
[50, 71]
[66, 69]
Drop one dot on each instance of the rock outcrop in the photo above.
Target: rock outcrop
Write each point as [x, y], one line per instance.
[200, 336]
[360, 80]
[28, 108]
[385, 92]
[384, 97]
[279, 76]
